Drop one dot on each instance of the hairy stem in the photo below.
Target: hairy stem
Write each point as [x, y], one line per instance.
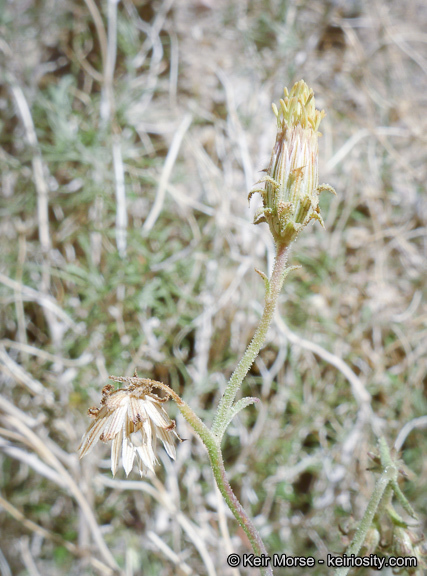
[384, 482]
[273, 290]
[214, 451]
[237, 509]
[212, 438]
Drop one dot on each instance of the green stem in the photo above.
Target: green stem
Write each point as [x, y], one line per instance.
[214, 451]
[212, 438]
[380, 487]
[252, 351]
[380, 491]
[237, 509]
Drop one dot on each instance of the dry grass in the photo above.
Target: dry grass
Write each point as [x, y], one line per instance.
[131, 135]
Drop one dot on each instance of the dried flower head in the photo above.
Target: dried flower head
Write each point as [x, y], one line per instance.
[133, 418]
[291, 194]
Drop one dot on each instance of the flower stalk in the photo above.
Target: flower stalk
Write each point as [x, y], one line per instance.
[273, 288]
[236, 508]
[215, 455]
[290, 201]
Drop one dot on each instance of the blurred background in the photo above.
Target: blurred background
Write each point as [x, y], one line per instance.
[131, 134]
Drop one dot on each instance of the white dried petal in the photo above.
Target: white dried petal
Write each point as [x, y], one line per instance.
[157, 414]
[143, 470]
[134, 412]
[115, 423]
[115, 451]
[168, 441]
[128, 454]
[148, 458]
[150, 431]
[92, 435]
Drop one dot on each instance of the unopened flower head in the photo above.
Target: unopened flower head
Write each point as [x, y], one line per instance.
[291, 193]
[133, 418]
[407, 543]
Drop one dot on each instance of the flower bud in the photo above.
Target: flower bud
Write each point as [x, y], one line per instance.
[371, 542]
[407, 543]
[291, 193]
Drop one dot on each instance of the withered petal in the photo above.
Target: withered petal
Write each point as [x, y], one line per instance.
[115, 451]
[128, 454]
[157, 413]
[167, 438]
[115, 423]
[93, 433]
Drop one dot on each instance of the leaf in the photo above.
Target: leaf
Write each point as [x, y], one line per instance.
[235, 409]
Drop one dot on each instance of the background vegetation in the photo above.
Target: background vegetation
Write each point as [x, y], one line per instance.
[131, 133]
